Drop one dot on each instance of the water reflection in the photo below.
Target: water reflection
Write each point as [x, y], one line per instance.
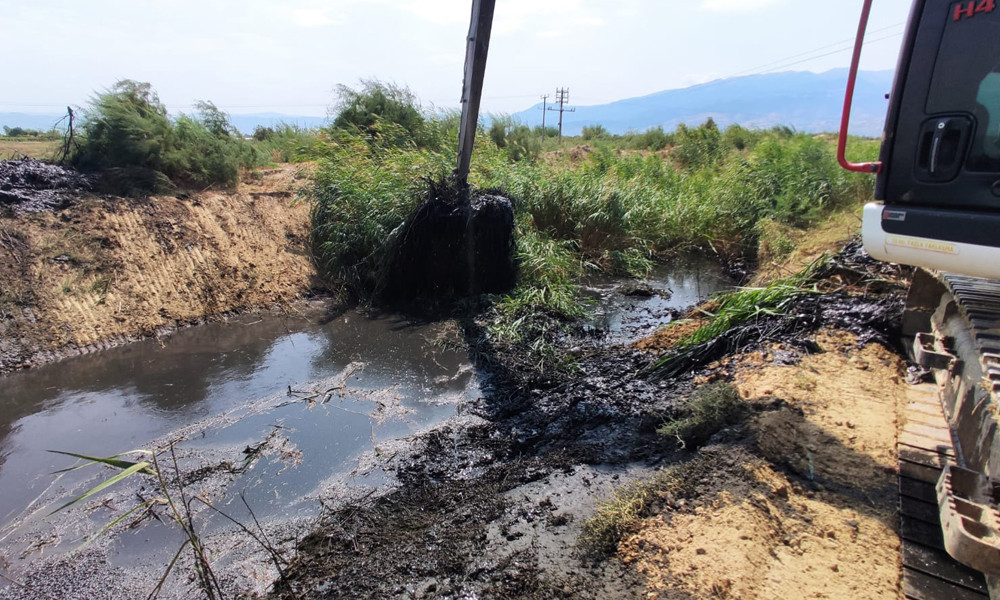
[227, 382]
[123, 398]
[680, 284]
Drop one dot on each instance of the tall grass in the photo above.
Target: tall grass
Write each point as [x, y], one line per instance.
[286, 143]
[708, 193]
[365, 188]
[600, 208]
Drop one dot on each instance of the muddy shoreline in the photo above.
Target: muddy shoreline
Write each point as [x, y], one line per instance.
[495, 509]
[492, 504]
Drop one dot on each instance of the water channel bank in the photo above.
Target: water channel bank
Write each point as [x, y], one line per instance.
[300, 416]
[796, 499]
[104, 270]
[390, 459]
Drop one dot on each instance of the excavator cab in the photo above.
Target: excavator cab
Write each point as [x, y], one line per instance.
[939, 168]
[937, 206]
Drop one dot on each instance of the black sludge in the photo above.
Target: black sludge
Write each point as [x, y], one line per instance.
[29, 185]
[452, 246]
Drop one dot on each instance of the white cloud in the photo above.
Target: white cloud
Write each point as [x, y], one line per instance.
[441, 12]
[739, 5]
[312, 17]
[589, 21]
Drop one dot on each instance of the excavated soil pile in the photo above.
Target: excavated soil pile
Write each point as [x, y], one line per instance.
[805, 506]
[29, 185]
[452, 246]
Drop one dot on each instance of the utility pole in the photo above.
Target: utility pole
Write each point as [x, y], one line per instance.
[562, 97]
[545, 98]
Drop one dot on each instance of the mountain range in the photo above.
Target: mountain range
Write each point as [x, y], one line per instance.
[804, 101]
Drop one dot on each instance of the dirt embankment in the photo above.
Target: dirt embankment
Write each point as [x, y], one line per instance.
[807, 508]
[106, 270]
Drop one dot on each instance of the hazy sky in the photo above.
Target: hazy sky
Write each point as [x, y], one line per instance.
[256, 55]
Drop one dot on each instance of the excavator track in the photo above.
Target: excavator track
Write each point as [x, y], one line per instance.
[924, 447]
[949, 447]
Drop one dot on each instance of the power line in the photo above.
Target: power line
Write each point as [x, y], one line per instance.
[806, 52]
[797, 58]
[829, 53]
[782, 64]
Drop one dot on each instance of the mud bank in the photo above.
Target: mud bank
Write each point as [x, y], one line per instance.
[495, 508]
[95, 271]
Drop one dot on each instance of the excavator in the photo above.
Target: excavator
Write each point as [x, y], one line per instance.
[937, 208]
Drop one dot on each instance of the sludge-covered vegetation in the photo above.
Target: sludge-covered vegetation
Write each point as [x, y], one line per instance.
[607, 206]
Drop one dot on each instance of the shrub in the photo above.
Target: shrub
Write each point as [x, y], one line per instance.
[23, 132]
[517, 140]
[498, 131]
[653, 138]
[126, 126]
[376, 103]
[263, 134]
[594, 132]
[127, 129]
[698, 147]
[740, 138]
[546, 132]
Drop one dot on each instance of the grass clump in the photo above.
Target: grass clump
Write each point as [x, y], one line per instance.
[622, 513]
[365, 188]
[713, 407]
[619, 515]
[748, 303]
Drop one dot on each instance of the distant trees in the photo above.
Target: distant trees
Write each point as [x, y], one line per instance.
[32, 133]
[594, 132]
[519, 141]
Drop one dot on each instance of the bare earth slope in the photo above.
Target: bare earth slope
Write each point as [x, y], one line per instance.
[106, 270]
[809, 510]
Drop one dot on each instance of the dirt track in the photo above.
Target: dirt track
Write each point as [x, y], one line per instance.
[107, 270]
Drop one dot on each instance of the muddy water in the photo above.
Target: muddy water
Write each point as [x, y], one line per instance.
[624, 316]
[217, 390]
[304, 407]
